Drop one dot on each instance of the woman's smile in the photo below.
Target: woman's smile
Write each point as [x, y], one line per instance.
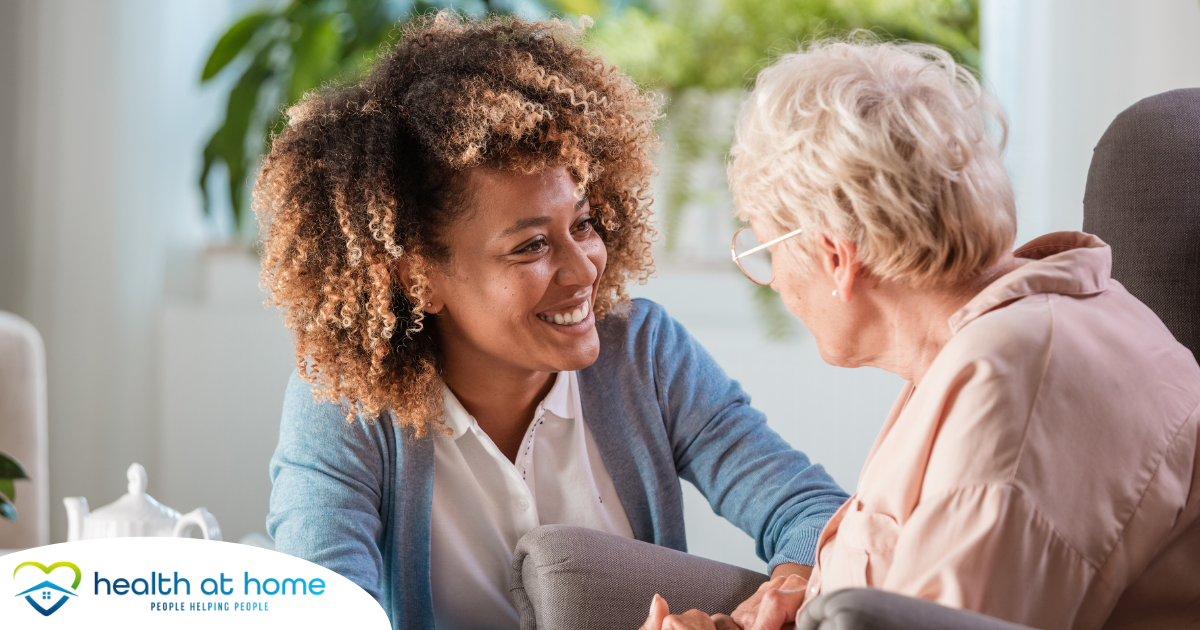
[578, 315]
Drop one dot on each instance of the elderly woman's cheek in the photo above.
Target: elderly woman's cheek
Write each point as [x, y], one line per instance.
[793, 290]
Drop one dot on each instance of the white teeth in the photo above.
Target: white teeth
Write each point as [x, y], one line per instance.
[568, 319]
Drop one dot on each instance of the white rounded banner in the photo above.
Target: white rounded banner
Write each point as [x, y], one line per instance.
[176, 583]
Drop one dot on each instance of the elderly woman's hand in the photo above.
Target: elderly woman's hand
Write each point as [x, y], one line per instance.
[777, 601]
[661, 619]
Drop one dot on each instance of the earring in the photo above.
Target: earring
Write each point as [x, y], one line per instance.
[835, 293]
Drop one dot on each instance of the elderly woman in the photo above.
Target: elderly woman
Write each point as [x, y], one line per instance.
[1040, 464]
[450, 238]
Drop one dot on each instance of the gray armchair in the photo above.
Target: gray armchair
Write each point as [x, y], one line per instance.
[572, 578]
[873, 609]
[580, 579]
[1142, 198]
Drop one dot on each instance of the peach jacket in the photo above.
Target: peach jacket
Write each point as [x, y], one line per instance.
[1044, 472]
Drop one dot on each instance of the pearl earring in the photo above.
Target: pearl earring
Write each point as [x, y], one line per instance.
[835, 293]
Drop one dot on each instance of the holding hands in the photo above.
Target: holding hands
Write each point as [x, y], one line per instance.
[774, 606]
[661, 619]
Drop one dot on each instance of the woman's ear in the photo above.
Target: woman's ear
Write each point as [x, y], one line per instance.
[412, 266]
[839, 258]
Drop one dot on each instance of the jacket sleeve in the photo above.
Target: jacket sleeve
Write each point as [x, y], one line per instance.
[329, 488]
[723, 446]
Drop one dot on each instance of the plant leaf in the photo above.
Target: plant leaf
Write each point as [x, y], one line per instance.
[7, 509]
[10, 468]
[232, 43]
[314, 56]
[7, 489]
[577, 7]
[228, 143]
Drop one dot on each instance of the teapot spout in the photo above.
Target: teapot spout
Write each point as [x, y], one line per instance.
[77, 509]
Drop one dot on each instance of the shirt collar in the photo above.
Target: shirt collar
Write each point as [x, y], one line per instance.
[1067, 263]
[557, 402]
[454, 414]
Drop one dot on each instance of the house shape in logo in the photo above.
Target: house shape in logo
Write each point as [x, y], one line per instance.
[49, 589]
[45, 588]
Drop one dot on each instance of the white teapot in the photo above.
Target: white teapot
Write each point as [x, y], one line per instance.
[135, 514]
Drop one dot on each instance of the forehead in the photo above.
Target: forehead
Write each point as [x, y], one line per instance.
[502, 196]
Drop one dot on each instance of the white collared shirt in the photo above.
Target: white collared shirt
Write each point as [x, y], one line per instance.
[483, 503]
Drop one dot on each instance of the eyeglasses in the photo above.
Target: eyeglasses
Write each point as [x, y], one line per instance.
[757, 268]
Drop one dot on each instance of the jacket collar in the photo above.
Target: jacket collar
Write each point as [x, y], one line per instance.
[1066, 263]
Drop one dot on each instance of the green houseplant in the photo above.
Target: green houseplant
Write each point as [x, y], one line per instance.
[674, 46]
[695, 53]
[690, 51]
[10, 471]
[280, 53]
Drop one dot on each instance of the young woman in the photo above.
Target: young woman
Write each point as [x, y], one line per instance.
[449, 239]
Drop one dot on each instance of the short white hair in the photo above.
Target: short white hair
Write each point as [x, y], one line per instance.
[882, 144]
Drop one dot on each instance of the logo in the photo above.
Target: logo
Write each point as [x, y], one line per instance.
[47, 590]
[135, 582]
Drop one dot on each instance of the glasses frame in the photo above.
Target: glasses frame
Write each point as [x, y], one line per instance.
[736, 256]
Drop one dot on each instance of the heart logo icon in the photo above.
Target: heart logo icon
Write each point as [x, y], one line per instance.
[48, 589]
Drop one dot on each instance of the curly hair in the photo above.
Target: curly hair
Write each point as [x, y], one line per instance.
[368, 175]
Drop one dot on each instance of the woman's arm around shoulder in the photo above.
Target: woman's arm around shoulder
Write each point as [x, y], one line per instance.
[330, 487]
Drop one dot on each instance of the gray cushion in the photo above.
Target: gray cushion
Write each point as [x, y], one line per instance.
[872, 609]
[580, 579]
[1143, 199]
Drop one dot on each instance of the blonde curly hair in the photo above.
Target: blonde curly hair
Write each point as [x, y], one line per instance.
[368, 175]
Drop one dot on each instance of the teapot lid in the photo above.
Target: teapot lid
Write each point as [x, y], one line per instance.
[136, 506]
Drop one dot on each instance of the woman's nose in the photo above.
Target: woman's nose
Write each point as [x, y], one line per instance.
[575, 267]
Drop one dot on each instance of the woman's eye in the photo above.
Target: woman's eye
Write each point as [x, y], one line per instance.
[533, 246]
[586, 225]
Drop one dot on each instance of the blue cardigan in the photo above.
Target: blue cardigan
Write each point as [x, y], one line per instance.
[356, 497]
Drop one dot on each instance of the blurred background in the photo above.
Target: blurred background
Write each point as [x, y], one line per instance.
[130, 132]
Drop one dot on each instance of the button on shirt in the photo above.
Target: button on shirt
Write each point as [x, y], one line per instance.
[483, 503]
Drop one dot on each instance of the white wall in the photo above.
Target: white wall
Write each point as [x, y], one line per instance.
[106, 118]
[1063, 69]
[224, 362]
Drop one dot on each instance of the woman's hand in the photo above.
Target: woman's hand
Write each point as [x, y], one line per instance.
[661, 619]
[773, 607]
[777, 601]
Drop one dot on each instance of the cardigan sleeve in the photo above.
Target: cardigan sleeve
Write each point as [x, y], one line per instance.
[750, 475]
[328, 488]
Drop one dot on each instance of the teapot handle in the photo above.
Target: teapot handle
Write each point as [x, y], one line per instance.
[203, 518]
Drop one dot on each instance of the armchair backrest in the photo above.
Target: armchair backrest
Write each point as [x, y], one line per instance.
[1143, 199]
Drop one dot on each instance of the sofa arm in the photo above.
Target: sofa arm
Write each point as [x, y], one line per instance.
[873, 609]
[572, 578]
